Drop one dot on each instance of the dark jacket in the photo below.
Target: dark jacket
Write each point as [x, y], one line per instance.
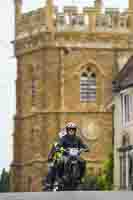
[72, 142]
[68, 141]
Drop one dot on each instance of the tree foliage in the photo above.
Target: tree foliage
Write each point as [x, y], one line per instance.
[104, 181]
[4, 181]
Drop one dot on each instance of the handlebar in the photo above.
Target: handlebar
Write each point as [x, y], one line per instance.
[80, 150]
[84, 149]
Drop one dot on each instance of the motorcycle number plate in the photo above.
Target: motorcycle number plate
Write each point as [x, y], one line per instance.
[73, 152]
[74, 161]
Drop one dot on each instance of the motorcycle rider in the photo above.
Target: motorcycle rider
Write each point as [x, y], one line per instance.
[53, 165]
[68, 140]
[71, 140]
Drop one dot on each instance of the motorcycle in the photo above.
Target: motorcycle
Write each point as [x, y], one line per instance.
[70, 176]
[72, 169]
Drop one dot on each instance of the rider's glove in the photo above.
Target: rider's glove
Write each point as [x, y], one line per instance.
[87, 149]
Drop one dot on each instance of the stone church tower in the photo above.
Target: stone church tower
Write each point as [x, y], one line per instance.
[66, 61]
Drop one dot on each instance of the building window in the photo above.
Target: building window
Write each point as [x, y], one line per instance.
[34, 90]
[73, 20]
[88, 87]
[81, 20]
[127, 108]
[61, 19]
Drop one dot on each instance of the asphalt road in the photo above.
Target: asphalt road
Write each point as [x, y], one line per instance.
[82, 195]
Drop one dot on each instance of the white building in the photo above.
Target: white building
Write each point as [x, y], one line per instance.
[123, 128]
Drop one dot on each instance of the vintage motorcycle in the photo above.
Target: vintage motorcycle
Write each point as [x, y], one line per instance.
[70, 177]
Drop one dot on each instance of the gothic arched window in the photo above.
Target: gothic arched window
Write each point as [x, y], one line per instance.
[88, 86]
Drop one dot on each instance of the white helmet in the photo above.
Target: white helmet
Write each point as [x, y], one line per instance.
[63, 132]
[71, 125]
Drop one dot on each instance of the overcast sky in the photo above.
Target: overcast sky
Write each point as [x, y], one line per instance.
[8, 68]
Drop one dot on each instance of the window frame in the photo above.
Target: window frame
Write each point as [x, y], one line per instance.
[88, 91]
[129, 93]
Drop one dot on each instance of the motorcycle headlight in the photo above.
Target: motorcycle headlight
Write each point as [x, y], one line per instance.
[73, 152]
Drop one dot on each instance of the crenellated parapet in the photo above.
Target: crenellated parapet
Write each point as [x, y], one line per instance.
[31, 23]
[50, 26]
[91, 20]
[71, 20]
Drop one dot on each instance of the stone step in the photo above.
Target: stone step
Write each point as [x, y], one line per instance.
[80, 195]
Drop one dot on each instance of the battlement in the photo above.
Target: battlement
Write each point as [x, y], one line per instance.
[90, 19]
[71, 19]
[31, 22]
